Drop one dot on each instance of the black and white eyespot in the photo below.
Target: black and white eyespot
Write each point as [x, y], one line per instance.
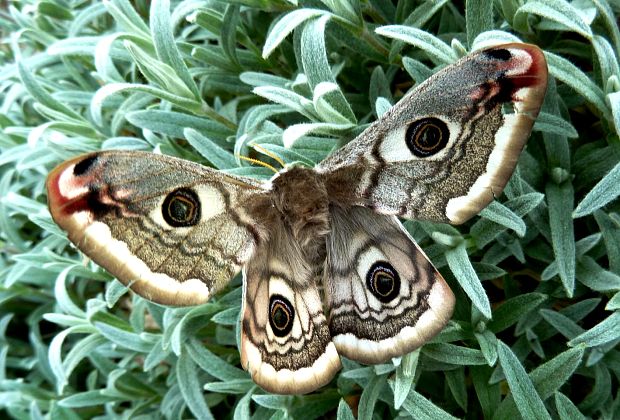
[281, 315]
[181, 208]
[427, 136]
[383, 281]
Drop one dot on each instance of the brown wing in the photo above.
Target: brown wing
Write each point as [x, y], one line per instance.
[384, 296]
[173, 230]
[285, 341]
[449, 147]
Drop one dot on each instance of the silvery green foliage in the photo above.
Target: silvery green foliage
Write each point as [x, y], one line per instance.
[537, 274]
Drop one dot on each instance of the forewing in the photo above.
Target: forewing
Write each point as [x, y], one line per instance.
[449, 147]
[285, 340]
[384, 296]
[173, 230]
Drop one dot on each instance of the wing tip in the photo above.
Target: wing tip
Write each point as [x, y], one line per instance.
[529, 76]
[67, 188]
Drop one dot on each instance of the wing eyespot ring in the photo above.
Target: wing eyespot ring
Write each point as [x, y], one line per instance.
[181, 208]
[281, 315]
[427, 136]
[383, 281]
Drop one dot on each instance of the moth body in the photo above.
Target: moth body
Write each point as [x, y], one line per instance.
[312, 238]
[301, 197]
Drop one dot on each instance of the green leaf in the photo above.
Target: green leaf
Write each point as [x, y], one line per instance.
[614, 101]
[566, 408]
[403, 380]
[456, 383]
[287, 98]
[317, 68]
[564, 70]
[436, 49]
[565, 326]
[449, 353]
[614, 303]
[468, 279]
[525, 396]
[212, 364]
[488, 393]
[606, 57]
[550, 123]
[369, 397]
[420, 408]
[560, 202]
[604, 332]
[558, 11]
[242, 409]
[163, 39]
[551, 375]
[235, 386]
[488, 346]
[43, 97]
[605, 191]
[595, 277]
[174, 124]
[344, 411]
[96, 108]
[285, 26]
[124, 339]
[610, 230]
[274, 402]
[219, 157]
[88, 399]
[479, 18]
[547, 379]
[159, 73]
[502, 215]
[187, 378]
[509, 312]
[228, 35]
[295, 132]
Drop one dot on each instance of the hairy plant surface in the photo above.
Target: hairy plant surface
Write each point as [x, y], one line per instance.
[536, 274]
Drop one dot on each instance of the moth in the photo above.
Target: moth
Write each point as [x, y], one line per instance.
[328, 270]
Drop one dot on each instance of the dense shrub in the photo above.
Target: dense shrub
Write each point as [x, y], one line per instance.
[211, 81]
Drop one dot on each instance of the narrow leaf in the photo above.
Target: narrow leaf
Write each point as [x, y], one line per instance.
[527, 399]
[605, 191]
[468, 279]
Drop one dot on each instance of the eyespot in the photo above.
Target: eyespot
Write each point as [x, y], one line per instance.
[383, 281]
[181, 208]
[281, 315]
[84, 165]
[427, 136]
[501, 54]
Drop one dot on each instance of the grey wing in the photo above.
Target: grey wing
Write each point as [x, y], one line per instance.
[449, 147]
[173, 230]
[385, 298]
[285, 340]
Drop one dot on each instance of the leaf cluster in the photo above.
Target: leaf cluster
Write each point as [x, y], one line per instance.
[537, 274]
